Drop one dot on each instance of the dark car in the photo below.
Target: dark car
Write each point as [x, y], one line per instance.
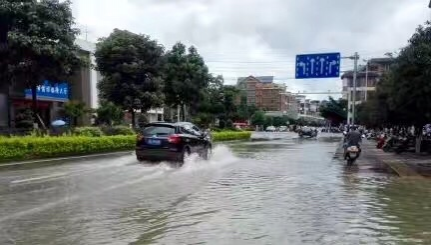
[165, 141]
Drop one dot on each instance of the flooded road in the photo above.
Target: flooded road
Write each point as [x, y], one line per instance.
[279, 191]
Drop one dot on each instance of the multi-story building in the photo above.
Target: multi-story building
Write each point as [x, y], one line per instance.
[366, 79]
[314, 108]
[307, 106]
[52, 95]
[301, 103]
[264, 93]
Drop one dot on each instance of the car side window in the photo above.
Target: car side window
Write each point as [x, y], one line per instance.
[187, 129]
[196, 129]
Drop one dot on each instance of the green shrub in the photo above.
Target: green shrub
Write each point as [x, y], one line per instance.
[118, 130]
[22, 148]
[33, 147]
[88, 131]
[232, 135]
[214, 129]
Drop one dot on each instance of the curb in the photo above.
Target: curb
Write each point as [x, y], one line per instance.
[398, 166]
[47, 160]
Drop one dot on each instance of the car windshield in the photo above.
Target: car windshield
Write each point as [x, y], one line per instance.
[158, 130]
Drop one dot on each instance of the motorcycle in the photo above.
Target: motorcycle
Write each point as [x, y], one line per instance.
[307, 133]
[352, 153]
[389, 144]
[403, 144]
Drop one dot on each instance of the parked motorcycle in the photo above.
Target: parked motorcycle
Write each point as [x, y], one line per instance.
[389, 144]
[403, 144]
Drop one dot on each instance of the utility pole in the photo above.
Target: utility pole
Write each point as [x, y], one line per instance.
[366, 79]
[352, 99]
[355, 73]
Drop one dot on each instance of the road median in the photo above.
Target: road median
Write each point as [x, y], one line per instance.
[32, 148]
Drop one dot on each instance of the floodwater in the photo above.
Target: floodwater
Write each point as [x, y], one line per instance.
[278, 191]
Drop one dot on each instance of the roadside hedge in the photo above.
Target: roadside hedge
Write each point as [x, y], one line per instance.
[231, 135]
[117, 130]
[27, 148]
[88, 131]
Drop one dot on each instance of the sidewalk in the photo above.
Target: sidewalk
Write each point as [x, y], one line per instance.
[405, 164]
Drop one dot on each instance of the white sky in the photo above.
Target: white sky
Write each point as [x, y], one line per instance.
[262, 37]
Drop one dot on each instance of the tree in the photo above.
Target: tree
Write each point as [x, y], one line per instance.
[258, 118]
[24, 119]
[229, 94]
[374, 111]
[407, 86]
[335, 111]
[280, 121]
[131, 68]
[108, 113]
[40, 42]
[142, 120]
[219, 101]
[186, 77]
[75, 110]
[211, 105]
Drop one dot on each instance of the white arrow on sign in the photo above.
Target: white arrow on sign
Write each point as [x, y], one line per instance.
[302, 64]
[322, 63]
[312, 65]
[331, 64]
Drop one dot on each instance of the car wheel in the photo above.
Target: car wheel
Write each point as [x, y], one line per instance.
[141, 159]
[184, 156]
[206, 154]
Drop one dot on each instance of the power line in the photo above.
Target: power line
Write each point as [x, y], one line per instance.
[277, 53]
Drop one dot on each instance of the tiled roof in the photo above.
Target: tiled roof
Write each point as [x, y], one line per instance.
[263, 79]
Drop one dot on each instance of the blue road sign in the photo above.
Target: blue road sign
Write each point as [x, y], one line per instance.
[317, 65]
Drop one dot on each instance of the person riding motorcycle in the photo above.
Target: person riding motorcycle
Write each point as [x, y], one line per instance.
[352, 138]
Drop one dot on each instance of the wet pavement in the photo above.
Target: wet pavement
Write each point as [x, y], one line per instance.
[280, 191]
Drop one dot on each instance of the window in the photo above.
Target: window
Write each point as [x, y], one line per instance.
[196, 129]
[158, 130]
[191, 129]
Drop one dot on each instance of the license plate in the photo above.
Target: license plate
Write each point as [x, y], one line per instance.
[352, 155]
[153, 142]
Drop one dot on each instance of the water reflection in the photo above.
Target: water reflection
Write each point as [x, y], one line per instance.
[406, 204]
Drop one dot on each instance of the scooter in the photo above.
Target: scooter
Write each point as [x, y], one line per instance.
[352, 153]
[389, 143]
[403, 145]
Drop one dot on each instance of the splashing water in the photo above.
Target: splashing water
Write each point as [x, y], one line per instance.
[221, 155]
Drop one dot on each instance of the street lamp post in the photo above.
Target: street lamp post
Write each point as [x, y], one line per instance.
[366, 79]
[352, 98]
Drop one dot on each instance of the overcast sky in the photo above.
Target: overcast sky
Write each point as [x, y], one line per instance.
[262, 37]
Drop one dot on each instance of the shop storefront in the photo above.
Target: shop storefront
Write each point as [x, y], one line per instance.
[50, 98]
[80, 86]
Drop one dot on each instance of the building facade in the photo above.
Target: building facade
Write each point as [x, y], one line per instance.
[265, 94]
[51, 95]
[366, 80]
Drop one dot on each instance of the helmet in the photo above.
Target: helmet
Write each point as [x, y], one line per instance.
[353, 127]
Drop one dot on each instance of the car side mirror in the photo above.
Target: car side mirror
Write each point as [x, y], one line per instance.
[204, 134]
